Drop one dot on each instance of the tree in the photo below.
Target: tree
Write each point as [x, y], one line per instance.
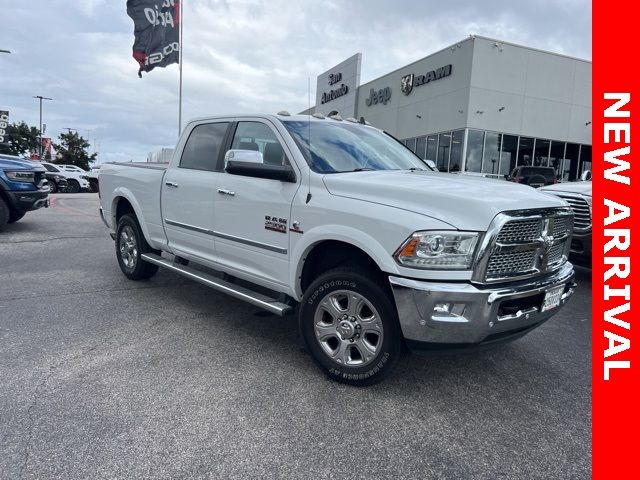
[72, 150]
[21, 140]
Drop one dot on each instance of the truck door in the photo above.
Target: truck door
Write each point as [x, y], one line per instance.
[189, 192]
[252, 215]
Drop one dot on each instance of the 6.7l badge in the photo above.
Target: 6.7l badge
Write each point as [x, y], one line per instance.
[275, 224]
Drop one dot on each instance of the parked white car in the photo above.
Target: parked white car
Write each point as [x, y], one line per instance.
[345, 226]
[90, 175]
[76, 181]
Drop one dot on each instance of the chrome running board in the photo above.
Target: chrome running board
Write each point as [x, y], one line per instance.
[236, 291]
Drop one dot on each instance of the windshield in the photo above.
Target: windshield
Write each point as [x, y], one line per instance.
[345, 147]
[50, 168]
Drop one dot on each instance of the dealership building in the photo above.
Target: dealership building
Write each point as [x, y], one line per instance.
[480, 106]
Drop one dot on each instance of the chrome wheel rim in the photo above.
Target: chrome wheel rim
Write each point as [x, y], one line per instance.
[128, 247]
[348, 328]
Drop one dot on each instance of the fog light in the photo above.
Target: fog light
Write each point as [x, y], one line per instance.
[449, 312]
[442, 308]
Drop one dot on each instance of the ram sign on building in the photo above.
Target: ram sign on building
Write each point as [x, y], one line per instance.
[482, 106]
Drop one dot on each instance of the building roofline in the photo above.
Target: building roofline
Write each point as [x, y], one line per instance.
[468, 39]
[504, 42]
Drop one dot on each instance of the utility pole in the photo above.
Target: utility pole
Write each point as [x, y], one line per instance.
[4, 51]
[41, 98]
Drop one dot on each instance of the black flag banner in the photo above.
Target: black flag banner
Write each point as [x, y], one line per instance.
[157, 32]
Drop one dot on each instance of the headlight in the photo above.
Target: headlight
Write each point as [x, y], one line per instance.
[21, 176]
[447, 250]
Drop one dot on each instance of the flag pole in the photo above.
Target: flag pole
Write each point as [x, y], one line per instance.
[180, 69]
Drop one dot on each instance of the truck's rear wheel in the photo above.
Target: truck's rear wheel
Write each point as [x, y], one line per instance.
[350, 327]
[130, 245]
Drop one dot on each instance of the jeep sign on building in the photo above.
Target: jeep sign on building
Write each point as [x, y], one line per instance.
[481, 106]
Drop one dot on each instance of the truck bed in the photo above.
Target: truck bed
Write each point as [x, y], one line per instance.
[140, 183]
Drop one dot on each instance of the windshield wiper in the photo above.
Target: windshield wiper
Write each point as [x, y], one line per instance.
[362, 169]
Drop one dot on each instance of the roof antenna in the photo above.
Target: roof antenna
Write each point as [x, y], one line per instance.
[309, 134]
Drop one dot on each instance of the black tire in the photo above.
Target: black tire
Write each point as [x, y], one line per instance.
[15, 215]
[377, 363]
[4, 213]
[53, 187]
[93, 186]
[128, 256]
[73, 186]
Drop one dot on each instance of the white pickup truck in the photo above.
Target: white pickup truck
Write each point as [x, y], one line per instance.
[341, 223]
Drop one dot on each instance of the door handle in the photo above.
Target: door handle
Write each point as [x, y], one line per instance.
[171, 184]
[222, 191]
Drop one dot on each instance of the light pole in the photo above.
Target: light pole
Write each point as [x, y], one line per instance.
[4, 51]
[41, 98]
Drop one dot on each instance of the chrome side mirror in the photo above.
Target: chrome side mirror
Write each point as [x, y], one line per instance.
[249, 156]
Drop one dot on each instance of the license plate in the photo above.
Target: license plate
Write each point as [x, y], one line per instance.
[552, 298]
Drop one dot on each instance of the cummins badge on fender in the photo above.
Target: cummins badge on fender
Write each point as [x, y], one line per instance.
[157, 32]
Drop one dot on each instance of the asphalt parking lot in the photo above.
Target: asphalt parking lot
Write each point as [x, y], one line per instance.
[104, 377]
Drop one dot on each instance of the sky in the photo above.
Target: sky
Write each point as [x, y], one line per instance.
[239, 56]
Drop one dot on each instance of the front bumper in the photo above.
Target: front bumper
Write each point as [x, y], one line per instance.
[28, 200]
[482, 314]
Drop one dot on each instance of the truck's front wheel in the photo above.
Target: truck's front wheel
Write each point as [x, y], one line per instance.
[130, 245]
[350, 327]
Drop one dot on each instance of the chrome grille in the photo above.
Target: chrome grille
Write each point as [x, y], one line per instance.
[581, 210]
[506, 263]
[524, 244]
[520, 231]
[561, 227]
[556, 253]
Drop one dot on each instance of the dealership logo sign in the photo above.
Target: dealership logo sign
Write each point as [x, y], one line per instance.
[4, 123]
[382, 95]
[409, 81]
[338, 92]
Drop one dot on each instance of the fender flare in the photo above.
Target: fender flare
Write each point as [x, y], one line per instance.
[123, 192]
[368, 244]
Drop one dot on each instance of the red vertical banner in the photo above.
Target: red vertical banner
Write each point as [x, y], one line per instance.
[616, 330]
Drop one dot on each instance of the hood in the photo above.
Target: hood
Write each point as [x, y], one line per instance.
[11, 162]
[582, 188]
[464, 202]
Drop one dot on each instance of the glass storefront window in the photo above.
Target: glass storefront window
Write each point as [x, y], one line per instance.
[475, 141]
[556, 156]
[411, 144]
[541, 154]
[585, 158]
[432, 147]
[525, 151]
[491, 158]
[421, 146]
[444, 145]
[508, 154]
[570, 168]
[455, 162]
